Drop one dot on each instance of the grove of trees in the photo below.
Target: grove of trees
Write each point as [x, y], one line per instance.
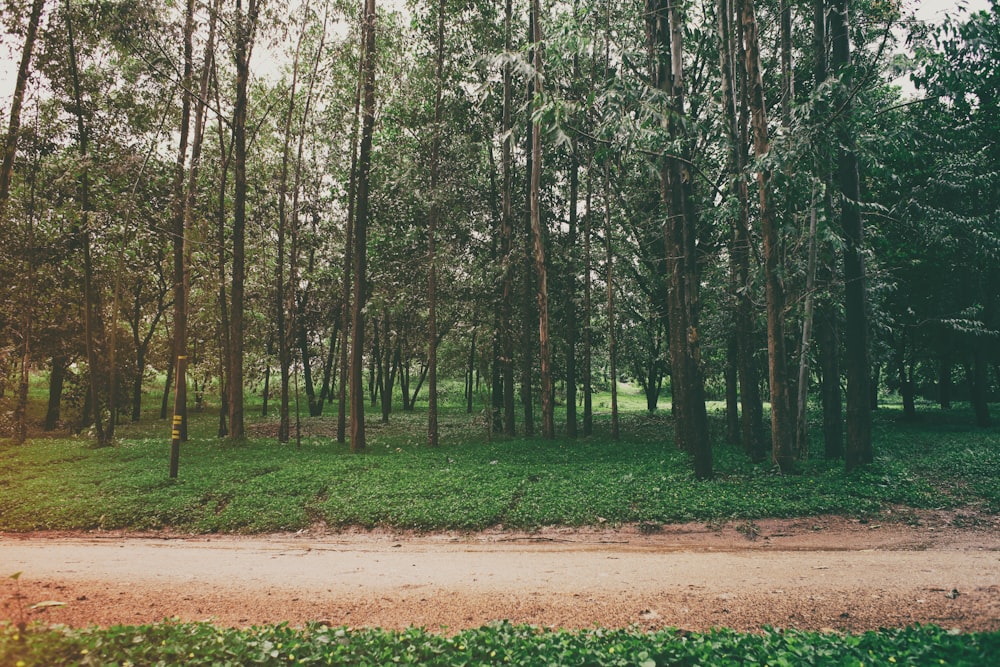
[726, 200]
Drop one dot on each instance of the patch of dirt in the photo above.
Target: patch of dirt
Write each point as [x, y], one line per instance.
[824, 573]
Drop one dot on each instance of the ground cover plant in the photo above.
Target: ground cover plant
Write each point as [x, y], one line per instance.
[473, 481]
[496, 644]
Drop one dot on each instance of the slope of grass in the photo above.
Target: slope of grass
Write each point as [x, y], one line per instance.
[498, 644]
[471, 481]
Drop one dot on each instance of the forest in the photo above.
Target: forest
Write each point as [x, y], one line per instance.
[788, 208]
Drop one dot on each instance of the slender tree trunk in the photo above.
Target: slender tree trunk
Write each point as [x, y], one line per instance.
[27, 315]
[435, 212]
[507, 236]
[944, 378]
[345, 304]
[281, 287]
[178, 429]
[528, 306]
[223, 330]
[859, 419]
[471, 373]
[571, 309]
[538, 240]
[829, 356]
[57, 377]
[588, 362]
[92, 318]
[20, 84]
[665, 41]
[782, 434]
[612, 332]
[802, 419]
[360, 254]
[827, 324]
[246, 25]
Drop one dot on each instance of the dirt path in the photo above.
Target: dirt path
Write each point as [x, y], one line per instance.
[817, 573]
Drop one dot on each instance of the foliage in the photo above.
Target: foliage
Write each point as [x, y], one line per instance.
[497, 643]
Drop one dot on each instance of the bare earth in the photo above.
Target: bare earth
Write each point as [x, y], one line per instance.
[819, 573]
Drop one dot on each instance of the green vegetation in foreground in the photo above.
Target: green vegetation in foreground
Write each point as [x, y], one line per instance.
[470, 481]
[501, 643]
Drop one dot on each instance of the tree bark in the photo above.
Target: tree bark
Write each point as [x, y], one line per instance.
[360, 254]
[246, 25]
[538, 241]
[92, 317]
[665, 36]
[21, 82]
[178, 429]
[507, 237]
[782, 435]
[610, 280]
[435, 212]
[859, 419]
[57, 376]
[751, 407]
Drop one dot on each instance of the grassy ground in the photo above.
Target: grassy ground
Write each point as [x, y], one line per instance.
[472, 480]
[499, 644]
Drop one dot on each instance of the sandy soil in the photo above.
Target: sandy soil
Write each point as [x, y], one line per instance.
[817, 573]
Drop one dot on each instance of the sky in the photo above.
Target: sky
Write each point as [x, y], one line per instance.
[928, 10]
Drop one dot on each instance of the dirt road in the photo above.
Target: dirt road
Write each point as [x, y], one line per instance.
[816, 573]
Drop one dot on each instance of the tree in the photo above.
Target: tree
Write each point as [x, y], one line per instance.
[859, 421]
[782, 435]
[245, 30]
[666, 30]
[360, 250]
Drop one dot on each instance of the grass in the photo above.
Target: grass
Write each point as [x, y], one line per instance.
[498, 644]
[472, 481]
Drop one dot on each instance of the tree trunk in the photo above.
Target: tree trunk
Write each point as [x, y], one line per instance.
[829, 357]
[801, 412]
[665, 37]
[782, 435]
[281, 288]
[178, 429]
[360, 254]
[432, 336]
[14, 124]
[345, 304]
[245, 28]
[57, 377]
[588, 362]
[980, 384]
[612, 334]
[471, 372]
[538, 241]
[944, 379]
[859, 419]
[92, 317]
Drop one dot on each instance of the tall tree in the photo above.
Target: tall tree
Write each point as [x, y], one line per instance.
[245, 30]
[735, 119]
[665, 31]
[20, 84]
[538, 240]
[859, 421]
[432, 224]
[360, 251]
[782, 435]
[178, 429]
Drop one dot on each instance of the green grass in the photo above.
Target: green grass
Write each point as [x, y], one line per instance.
[472, 481]
[498, 644]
